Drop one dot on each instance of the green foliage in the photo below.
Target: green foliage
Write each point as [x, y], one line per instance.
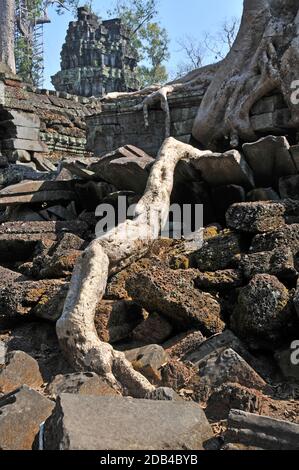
[147, 36]
[29, 60]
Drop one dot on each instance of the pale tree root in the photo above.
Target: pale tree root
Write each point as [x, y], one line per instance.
[106, 255]
[155, 95]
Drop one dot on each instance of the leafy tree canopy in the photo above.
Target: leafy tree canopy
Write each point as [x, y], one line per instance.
[147, 35]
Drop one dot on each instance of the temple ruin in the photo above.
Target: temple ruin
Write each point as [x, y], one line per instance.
[97, 57]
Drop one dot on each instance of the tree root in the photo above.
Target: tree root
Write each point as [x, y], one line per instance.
[257, 65]
[158, 95]
[109, 254]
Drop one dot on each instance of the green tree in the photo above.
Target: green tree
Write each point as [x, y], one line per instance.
[147, 36]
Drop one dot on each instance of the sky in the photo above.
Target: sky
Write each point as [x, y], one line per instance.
[179, 17]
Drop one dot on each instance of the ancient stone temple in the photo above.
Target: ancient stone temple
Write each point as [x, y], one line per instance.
[96, 58]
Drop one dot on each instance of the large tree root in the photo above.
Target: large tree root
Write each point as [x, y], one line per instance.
[109, 254]
[198, 79]
[257, 65]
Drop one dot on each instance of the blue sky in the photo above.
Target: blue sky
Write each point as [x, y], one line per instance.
[179, 17]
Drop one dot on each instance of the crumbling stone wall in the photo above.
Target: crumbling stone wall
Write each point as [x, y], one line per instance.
[119, 123]
[96, 58]
[41, 121]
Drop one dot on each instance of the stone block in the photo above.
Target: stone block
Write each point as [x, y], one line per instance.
[225, 169]
[21, 413]
[261, 432]
[148, 360]
[269, 158]
[171, 293]
[125, 424]
[23, 144]
[19, 369]
[82, 383]
[256, 217]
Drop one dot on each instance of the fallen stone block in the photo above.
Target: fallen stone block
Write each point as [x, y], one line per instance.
[255, 217]
[279, 263]
[115, 320]
[38, 197]
[233, 396]
[8, 276]
[18, 239]
[148, 360]
[21, 413]
[171, 293]
[57, 266]
[42, 163]
[163, 393]
[92, 193]
[19, 369]
[183, 344]
[125, 424]
[225, 169]
[36, 192]
[57, 259]
[82, 383]
[287, 236]
[127, 168]
[217, 344]
[219, 280]
[176, 374]
[261, 432]
[218, 252]
[154, 330]
[263, 315]
[14, 174]
[226, 367]
[269, 158]
[41, 298]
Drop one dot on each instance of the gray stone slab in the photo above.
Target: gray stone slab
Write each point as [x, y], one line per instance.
[21, 413]
[112, 423]
[261, 432]
[226, 168]
[25, 119]
[269, 158]
[23, 144]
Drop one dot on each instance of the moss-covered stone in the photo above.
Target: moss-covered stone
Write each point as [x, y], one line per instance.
[264, 312]
[218, 252]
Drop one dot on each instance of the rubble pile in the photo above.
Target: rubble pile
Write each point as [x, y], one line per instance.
[212, 329]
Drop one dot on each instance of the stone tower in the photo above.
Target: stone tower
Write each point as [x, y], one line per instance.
[96, 58]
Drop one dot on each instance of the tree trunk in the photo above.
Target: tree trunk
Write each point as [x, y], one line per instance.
[7, 27]
[264, 58]
[109, 254]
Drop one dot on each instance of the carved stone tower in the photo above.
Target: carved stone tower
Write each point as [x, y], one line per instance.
[96, 58]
